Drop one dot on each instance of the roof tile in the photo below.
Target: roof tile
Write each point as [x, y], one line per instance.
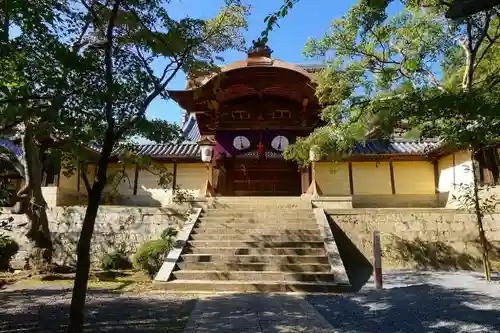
[410, 147]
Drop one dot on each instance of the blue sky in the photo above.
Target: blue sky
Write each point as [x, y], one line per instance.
[303, 21]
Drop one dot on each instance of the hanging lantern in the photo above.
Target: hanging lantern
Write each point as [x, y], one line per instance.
[207, 150]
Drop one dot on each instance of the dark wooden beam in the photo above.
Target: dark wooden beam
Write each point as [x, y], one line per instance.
[136, 179]
[78, 176]
[351, 182]
[436, 176]
[454, 175]
[174, 177]
[393, 183]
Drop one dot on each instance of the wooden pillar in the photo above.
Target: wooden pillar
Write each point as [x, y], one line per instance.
[304, 178]
[136, 179]
[436, 176]
[393, 184]
[78, 175]
[174, 177]
[454, 171]
[208, 190]
[314, 189]
[351, 182]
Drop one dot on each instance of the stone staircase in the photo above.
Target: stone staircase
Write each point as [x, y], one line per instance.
[256, 246]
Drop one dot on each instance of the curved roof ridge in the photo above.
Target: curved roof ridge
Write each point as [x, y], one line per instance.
[250, 62]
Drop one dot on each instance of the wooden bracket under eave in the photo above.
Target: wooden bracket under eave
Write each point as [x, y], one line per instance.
[314, 190]
[207, 190]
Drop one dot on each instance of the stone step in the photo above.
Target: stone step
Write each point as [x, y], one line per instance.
[287, 251]
[248, 259]
[283, 237]
[254, 267]
[261, 230]
[260, 213]
[264, 221]
[251, 286]
[252, 276]
[250, 243]
[256, 204]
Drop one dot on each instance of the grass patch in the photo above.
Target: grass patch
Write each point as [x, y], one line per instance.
[124, 281]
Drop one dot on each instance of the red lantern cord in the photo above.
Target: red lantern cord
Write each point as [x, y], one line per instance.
[260, 148]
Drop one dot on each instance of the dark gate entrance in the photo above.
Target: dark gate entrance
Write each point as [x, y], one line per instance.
[253, 176]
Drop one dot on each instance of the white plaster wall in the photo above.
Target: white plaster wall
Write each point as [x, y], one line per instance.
[456, 170]
[148, 188]
[50, 195]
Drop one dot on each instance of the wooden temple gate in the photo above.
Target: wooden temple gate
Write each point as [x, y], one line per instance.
[252, 112]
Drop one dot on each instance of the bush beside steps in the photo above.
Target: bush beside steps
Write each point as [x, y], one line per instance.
[8, 249]
[151, 255]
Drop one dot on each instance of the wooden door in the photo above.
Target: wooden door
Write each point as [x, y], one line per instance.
[274, 177]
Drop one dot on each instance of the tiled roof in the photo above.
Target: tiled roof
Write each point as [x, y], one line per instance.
[170, 150]
[190, 129]
[185, 149]
[410, 147]
[190, 149]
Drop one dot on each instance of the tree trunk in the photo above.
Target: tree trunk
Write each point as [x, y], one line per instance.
[34, 205]
[83, 249]
[479, 220]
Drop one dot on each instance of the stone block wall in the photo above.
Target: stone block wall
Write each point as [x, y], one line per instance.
[122, 228]
[421, 238]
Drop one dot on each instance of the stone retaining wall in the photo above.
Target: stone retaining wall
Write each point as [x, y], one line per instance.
[421, 238]
[116, 228]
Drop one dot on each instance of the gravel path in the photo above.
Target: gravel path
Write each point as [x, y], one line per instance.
[410, 302]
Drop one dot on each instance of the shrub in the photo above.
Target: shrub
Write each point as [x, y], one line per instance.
[115, 260]
[8, 249]
[151, 255]
[168, 233]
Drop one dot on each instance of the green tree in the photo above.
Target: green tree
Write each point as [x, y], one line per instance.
[85, 72]
[128, 38]
[32, 86]
[438, 76]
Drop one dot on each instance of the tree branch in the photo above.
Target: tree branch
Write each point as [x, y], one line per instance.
[108, 59]
[155, 37]
[154, 79]
[35, 97]
[484, 32]
[433, 79]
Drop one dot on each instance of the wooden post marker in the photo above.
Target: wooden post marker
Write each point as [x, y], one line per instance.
[377, 260]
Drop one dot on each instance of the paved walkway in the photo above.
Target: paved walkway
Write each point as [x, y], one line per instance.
[411, 302]
[253, 313]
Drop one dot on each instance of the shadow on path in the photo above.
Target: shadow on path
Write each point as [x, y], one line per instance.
[46, 310]
[417, 302]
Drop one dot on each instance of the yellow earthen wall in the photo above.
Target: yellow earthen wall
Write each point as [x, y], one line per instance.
[371, 178]
[410, 177]
[333, 178]
[190, 176]
[414, 177]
